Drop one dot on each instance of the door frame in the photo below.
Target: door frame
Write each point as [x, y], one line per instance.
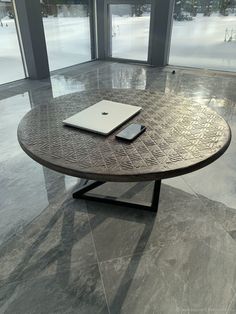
[159, 31]
[108, 31]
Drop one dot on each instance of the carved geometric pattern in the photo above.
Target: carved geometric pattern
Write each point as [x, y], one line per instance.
[180, 137]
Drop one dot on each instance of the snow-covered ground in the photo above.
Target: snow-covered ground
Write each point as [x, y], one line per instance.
[68, 41]
[198, 43]
[130, 37]
[11, 67]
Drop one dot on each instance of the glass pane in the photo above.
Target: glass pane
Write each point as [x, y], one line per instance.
[67, 32]
[10, 57]
[130, 31]
[204, 34]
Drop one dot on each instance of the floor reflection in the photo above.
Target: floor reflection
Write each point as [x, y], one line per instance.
[81, 257]
[54, 260]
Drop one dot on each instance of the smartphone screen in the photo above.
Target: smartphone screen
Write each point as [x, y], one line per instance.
[131, 132]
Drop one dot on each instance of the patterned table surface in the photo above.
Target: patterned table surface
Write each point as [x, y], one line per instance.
[181, 137]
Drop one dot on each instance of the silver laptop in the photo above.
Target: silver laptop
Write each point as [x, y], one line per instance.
[103, 117]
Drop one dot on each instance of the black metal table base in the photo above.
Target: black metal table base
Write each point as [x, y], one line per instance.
[88, 186]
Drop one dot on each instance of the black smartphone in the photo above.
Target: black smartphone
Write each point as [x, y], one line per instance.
[131, 132]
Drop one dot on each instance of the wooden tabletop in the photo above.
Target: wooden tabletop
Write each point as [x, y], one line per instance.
[181, 137]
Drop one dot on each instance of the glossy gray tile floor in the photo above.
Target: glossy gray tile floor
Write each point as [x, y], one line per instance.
[59, 255]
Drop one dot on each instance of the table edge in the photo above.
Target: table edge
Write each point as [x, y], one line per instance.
[146, 176]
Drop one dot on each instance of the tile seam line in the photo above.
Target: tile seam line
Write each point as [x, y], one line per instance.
[155, 248]
[98, 264]
[58, 202]
[213, 218]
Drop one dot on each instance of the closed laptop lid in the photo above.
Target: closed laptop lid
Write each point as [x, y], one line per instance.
[102, 117]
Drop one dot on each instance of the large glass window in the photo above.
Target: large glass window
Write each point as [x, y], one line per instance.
[204, 34]
[67, 31]
[129, 31]
[11, 66]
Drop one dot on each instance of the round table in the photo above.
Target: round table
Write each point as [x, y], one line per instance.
[181, 137]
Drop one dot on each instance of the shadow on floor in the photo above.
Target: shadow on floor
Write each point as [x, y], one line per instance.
[59, 251]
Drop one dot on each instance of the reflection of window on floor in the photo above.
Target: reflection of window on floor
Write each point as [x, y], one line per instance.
[67, 32]
[204, 34]
[128, 77]
[10, 58]
[63, 85]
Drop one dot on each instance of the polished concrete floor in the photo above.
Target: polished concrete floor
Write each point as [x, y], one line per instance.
[59, 255]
